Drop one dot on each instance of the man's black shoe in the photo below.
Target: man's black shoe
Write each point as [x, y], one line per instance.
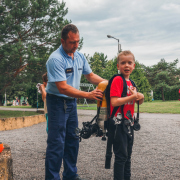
[78, 178]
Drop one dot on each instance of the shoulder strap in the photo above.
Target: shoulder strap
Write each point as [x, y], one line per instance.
[124, 94]
[107, 94]
[133, 83]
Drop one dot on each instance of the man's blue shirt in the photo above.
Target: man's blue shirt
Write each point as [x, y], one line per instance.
[61, 67]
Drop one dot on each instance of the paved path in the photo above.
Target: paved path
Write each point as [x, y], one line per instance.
[156, 154]
[20, 109]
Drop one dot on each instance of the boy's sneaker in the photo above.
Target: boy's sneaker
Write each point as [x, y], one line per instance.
[127, 178]
[78, 178]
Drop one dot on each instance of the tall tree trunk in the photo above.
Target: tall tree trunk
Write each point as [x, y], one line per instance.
[19, 97]
[1, 99]
[162, 91]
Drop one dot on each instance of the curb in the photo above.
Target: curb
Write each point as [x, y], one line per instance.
[20, 122]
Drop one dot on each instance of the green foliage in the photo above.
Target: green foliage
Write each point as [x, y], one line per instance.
[172, 94]
[98, 63]
[29, 32]
[111, 69]
[101, 66]
[83, 79]
[138, 76]
[168, 95]
[163, 77]
[32, 98]
[98, 58]
[107, 68]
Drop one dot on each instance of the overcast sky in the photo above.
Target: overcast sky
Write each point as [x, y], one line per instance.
[150, 29]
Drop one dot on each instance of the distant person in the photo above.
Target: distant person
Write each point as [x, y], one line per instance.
[43, 92]
[64, 69]
[122, 145]
[17, 101]
[179, 94]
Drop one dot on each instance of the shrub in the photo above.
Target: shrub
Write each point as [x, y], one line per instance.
[32, 98]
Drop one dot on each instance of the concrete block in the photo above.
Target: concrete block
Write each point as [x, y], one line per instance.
[6, 164]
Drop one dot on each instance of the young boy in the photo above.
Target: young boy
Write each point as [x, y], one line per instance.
[122, 145]
[43, 91]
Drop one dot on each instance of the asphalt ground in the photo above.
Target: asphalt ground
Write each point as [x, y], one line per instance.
[156, 150]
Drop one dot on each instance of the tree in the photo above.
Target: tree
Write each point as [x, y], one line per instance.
[33, 100]
[142, 83]
[100, 57]
[138, 76]
[111, 69]
[98, 63]
[29, 32]
[163, 76]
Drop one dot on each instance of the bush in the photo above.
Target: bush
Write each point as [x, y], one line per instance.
[32, 98]
[172, 95]
[168, 95]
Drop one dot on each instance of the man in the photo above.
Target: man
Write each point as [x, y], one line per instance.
[65, 67]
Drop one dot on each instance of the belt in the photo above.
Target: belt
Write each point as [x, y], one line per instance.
[64, 98]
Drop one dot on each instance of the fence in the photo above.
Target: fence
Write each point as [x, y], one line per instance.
[87, 88]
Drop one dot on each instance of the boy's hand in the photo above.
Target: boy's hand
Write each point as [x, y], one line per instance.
[133, 92]
[140, 98]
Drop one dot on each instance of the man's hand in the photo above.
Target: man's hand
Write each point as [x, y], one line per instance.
[95, 94]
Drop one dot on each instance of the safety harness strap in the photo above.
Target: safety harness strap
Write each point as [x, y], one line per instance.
[111, 131]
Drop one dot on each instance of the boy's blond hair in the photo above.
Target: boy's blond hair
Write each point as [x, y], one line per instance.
[125, 53]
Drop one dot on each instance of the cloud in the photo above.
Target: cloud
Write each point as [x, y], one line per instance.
[175, 8]
[149, 28]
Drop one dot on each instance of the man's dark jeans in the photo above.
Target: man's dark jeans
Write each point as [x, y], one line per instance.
[62, 142]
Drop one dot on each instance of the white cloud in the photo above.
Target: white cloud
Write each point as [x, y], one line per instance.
[149, 28]
[172, 7]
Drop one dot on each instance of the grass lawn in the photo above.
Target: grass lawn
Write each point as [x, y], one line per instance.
[7, 114]
[15, 106]
[85, 107]
[172, 107]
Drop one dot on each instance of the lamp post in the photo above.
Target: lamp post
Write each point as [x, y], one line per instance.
[119, 45]
[5, 104]
[37, 99]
